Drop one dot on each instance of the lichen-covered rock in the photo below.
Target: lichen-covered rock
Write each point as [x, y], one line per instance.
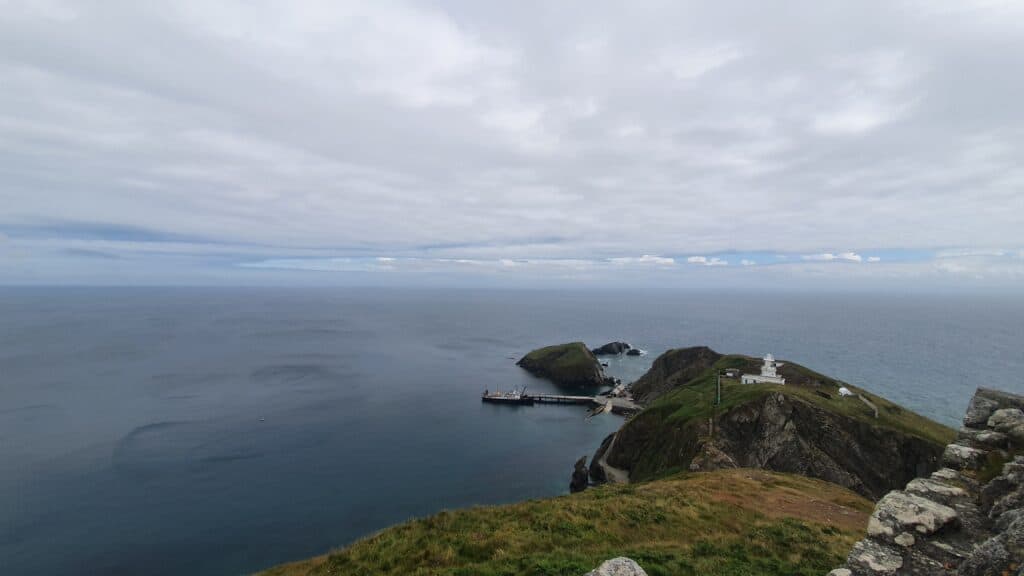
[1008, 518]
[902, 512]
[935, 490]
[1005, 418]
[840, 572]
[618, 567]
[979, 411]
[990, 558]
[983, 439]
[961, 457]
[873, 557]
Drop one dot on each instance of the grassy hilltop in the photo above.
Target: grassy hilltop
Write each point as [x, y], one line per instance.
[674, 427]
[729, 522]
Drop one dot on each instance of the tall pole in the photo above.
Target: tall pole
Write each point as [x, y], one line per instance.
[718, 388]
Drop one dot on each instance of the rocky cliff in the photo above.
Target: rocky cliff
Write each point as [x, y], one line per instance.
[966, 519]
[804, 428]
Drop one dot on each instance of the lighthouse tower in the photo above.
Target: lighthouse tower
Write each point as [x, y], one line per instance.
[768, 369]
[769, 373]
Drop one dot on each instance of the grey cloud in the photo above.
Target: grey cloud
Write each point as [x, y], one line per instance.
[456, 130]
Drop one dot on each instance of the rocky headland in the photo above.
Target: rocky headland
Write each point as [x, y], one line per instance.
[805, 427]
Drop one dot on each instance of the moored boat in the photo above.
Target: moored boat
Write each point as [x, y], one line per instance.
[513, 397]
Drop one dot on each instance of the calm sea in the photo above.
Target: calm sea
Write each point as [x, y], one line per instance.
[219, 431]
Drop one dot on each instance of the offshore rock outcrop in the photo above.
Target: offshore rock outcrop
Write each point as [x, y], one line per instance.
[612, 349]
[966, 519]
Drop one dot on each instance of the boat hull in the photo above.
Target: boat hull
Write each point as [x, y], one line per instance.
[519, 401]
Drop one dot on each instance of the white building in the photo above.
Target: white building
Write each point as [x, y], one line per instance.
[769, 373]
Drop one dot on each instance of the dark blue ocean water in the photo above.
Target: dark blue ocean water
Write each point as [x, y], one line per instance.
[219, 431]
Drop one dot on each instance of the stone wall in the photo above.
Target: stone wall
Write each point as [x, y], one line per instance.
[966, 519]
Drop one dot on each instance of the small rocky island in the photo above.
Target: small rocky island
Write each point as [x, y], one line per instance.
[612, 349]
[570, 365]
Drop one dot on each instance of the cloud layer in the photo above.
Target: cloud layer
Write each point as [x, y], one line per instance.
[211, 139]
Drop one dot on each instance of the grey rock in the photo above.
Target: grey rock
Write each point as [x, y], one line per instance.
[947, 475]
[1008, 518]
[618, 567]
[979, 410]
[905, 539]
[982, 439]
[901, 512]
[712, 458]
[988, 401]
[580, 476]
[1005, 418]
[994, 491]
[611, 349]
[1011, 501]
[874, 558]
[962, 457]
[840, 572]
[633, 352]
[990, 558]
[1013, 538]
[935, 490]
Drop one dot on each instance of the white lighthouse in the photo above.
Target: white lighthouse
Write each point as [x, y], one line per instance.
[769, 373]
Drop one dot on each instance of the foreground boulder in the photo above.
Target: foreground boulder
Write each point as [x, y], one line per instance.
[963, 520]
[570, 365]
[618, 567]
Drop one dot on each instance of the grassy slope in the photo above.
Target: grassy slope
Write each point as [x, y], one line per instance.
[696, 400]
[566, 362]
[730, 522]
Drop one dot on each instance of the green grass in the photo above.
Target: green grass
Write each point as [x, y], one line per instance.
[734, 522]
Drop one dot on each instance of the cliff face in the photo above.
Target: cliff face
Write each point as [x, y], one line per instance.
[966, 519]
[672, 369]
[862, 442]
[571, 365]
[781, 433]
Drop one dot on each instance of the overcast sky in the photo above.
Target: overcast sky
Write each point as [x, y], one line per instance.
[677, 143]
